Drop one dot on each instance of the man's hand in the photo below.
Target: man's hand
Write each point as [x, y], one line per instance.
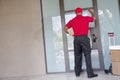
[92, 13]
[90, 10]
[66, 29]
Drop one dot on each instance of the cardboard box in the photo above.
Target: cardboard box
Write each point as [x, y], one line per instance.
[116, 68]
[115, 58]
[115, 55]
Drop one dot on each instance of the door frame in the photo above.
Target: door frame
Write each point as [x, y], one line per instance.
[95, 31]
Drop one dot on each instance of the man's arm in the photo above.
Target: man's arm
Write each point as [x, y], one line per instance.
[93, 15]
[66, 29]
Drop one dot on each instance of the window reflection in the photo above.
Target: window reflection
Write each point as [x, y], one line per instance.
[56, 58]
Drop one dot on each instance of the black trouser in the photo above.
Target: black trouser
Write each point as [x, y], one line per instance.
[82, 45]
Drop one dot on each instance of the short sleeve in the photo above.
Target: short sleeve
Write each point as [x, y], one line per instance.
[69, 24]
[90, 19]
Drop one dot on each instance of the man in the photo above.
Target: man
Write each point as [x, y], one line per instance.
[80, 26]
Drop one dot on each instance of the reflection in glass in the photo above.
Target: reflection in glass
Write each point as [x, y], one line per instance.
[58, 44]
[109, 21]
[55, 61]
[71, 5]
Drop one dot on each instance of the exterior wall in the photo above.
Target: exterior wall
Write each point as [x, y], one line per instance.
[21, 38]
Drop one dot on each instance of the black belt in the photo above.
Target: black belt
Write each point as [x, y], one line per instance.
[80, 35]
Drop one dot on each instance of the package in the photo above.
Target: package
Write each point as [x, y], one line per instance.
[116, 68]
[115, 59]
[115, 55]
[70, 31]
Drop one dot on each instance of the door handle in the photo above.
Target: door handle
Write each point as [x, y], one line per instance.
[94, 38]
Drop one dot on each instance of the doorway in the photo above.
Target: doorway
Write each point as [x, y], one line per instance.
[67, 13]
[58, 45]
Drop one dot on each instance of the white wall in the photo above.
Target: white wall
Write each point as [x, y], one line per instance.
[21, 38]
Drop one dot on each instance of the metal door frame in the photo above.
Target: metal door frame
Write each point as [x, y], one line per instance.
[95, 30]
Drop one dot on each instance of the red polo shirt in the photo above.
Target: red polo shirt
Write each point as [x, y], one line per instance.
[80, 24]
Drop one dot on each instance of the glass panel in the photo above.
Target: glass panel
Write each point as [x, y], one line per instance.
[53, 36]
[71, 5]
[94, 58]
[70, 42]
[71, 59]
[109, 22]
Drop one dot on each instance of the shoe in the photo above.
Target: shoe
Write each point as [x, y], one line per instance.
[93, 75]
[81, 71]
[77, 75]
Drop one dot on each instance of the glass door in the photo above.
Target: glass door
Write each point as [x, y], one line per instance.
[58, 45]
[55, 61]
[95, 58]
[67, 13]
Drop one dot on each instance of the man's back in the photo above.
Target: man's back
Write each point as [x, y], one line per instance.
[80, 24]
